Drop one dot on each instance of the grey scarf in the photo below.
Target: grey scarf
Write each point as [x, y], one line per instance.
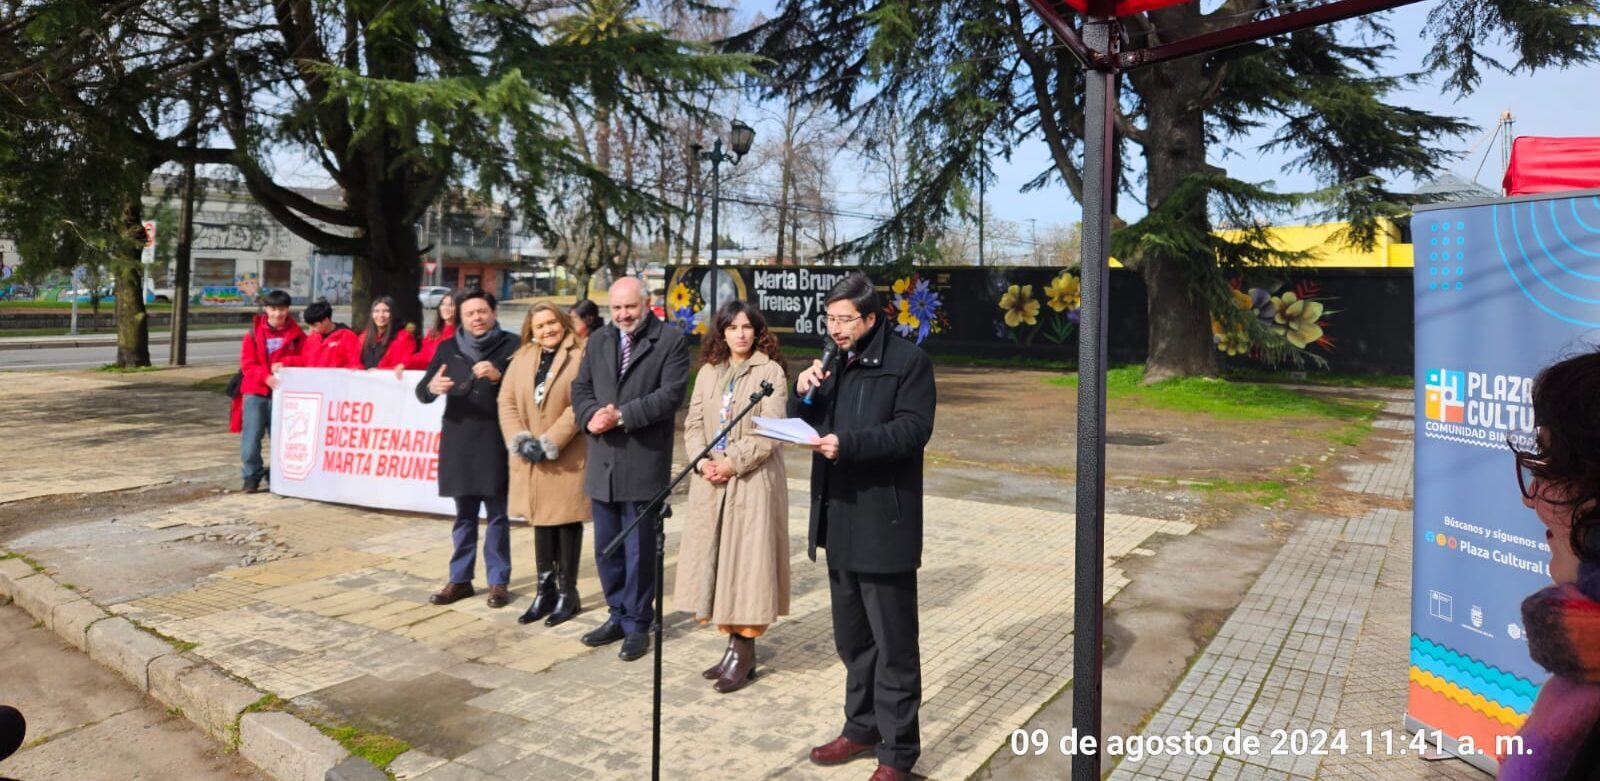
[474, 347]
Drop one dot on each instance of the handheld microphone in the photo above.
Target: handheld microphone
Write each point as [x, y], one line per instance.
[830, 355]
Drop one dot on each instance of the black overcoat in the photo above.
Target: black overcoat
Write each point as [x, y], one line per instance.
[866, 506]
[472, 455]
[632, 462]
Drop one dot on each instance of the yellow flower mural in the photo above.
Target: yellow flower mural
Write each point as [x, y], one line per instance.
[1235, 343]
[904, 316]
[1064, 292]
[1020, 306]
[678, 297]
[1297, 319]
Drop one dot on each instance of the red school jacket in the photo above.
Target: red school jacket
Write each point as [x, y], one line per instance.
[401, 347]
[256, 356]
[338, 349]
[421, 358]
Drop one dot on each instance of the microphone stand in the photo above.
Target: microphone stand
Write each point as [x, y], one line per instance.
[659, 511]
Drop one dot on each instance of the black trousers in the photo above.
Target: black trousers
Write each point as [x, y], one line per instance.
[875, 632]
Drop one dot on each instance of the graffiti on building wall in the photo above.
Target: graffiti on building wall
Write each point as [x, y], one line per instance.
[249, 231]
[242, 292]
[331, 275]
[300, 281]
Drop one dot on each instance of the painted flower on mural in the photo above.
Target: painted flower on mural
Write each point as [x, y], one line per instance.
[678, 297]
[684, 307]
[1064, 293]
[1296, 319]
[1280, 325]
[1019, 305]
[1235, 342]
[916, 309]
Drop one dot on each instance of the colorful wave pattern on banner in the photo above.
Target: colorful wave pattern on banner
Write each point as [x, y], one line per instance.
[1464, 697]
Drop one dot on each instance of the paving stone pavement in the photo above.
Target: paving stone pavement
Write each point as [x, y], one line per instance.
[1318, 643]
[332, 615]
[343, 627]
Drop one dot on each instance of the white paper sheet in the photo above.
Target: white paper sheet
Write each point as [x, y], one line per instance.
[792, 430]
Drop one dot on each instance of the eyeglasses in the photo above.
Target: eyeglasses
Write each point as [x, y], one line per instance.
[1528, 468]
[832, 320]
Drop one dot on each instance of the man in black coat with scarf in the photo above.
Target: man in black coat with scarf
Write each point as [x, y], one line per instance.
[874, 415]
[630, 384]
[467, 370]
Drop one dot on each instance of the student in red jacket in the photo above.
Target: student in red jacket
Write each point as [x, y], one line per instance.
[444, 327]
[387, 340]
[329, 345]
[274, 337]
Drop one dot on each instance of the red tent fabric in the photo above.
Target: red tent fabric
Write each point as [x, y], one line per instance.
[1549, 165]
[1127, 7]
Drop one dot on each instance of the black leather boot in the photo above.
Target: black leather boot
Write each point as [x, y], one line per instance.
[544, 600]
[569, 549]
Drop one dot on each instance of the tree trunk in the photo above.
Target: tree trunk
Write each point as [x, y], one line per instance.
[1180, 327]
[133, 324]
[583, 275]
[1180, 342]
[396, 275]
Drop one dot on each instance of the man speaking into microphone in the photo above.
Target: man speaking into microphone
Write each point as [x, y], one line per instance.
[873, 413]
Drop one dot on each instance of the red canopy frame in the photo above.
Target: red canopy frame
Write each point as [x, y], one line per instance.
[1099, 51]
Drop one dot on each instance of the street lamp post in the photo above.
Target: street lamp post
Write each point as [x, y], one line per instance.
[740, 136]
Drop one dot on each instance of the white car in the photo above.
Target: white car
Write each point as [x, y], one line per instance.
[431, 295]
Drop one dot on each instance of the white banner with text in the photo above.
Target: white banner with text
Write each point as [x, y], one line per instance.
[356, 437]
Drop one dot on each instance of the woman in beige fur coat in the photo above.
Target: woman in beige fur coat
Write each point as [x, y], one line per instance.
[547, 457]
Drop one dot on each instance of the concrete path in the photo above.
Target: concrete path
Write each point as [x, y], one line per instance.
[85, 723]
[326, 607]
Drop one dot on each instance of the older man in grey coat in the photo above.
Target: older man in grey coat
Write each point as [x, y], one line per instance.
[633, 377]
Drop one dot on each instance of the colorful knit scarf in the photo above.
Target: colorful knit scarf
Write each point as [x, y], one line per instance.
[1563, 628]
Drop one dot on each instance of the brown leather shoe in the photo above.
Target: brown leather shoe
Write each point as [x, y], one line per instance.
[452, 593]
[499, 596]
[886, 773]
[741, 669]
[839, 751]
[715, 671]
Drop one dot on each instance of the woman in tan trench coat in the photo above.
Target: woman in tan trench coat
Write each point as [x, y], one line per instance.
[547, 456]
[733, 563]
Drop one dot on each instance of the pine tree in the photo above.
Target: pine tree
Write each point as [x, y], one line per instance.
[986, 75]
[400, 100]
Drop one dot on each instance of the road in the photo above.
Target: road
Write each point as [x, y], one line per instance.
[88, 357]
[85, 723]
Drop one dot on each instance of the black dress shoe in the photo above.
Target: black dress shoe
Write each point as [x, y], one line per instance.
[605, 634]
[635, 645]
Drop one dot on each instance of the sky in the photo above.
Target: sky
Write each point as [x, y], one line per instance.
[1544, 103]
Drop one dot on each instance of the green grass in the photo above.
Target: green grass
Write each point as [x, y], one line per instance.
[1403, 381]
[374, 747]
[115, 369]
[1262, 492]
[217, 384]
[1009, 362]
[1225, 398]
[268, 702]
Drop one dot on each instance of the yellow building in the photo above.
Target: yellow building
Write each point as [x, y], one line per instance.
[1327, 250]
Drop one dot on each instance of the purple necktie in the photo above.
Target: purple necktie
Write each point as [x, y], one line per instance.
[627, 353]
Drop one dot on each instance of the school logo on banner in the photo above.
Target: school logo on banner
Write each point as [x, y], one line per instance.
[301, 411]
